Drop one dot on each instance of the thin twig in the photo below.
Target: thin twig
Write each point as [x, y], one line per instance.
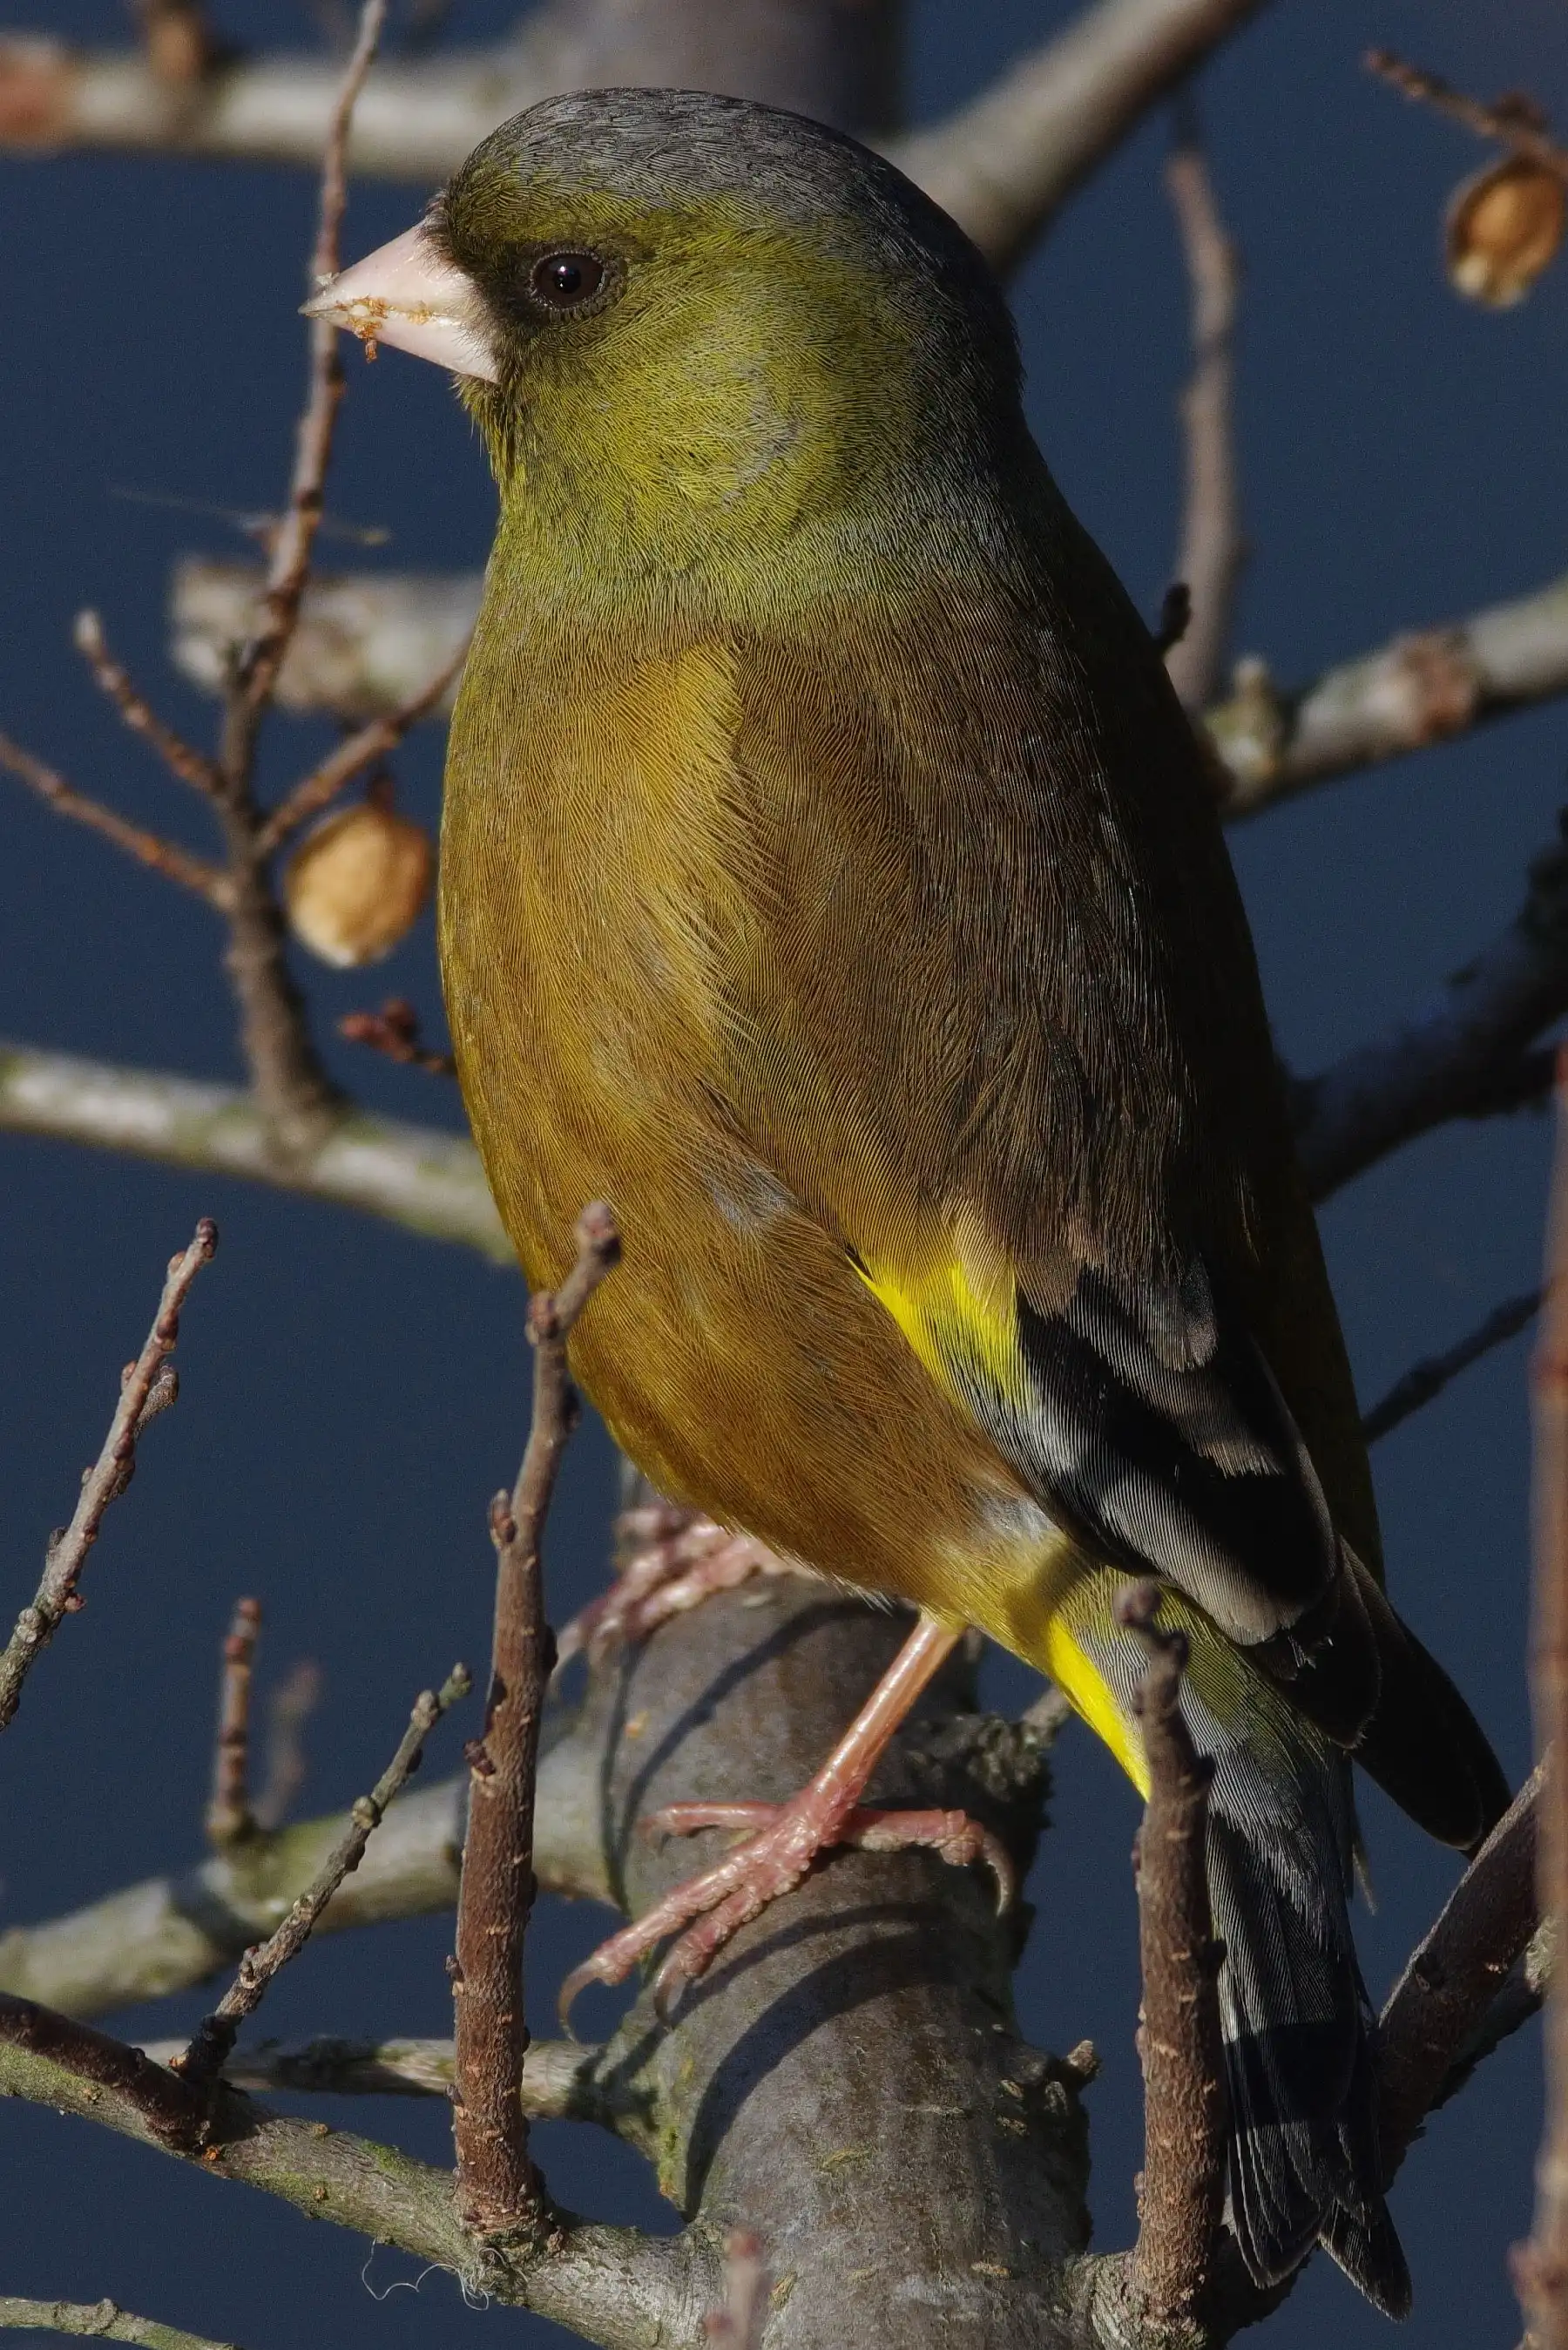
[229, 1818]
[289, 566]
[1515, 123]
[745, 2306]
[499, 2192]
[1428, 1378]
[1213, 550]
[395, 1032]
[196, 874]
[372, 742]
[216, 2033]
[147, 1388]
[1452, 1977]
[1541, 2267]
[290, 1708]
[191, 766]
[104, 2321]
[1183, 2190]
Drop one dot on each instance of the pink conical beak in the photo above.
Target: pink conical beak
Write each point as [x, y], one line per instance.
[406, 295]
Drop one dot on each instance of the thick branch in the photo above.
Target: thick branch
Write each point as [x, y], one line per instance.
[148, 1386]
[611, 2285]
[1447, 1062]
[837, 60]
[415, 1176]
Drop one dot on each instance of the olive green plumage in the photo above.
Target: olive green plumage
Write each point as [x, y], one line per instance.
[830, 881]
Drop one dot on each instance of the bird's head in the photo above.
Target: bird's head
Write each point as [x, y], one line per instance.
[700, 320]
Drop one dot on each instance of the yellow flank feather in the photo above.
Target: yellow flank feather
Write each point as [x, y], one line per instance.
[947, 1320]
[1090, 1695]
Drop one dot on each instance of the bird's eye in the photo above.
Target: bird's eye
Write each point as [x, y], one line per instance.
[566, 281]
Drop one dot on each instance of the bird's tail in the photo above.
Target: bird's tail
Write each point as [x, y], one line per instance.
[1298, 2029]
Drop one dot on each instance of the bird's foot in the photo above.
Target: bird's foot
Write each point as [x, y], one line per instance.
[786, 1840]
[676, 1558]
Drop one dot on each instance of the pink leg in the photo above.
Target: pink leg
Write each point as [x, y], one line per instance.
[826, 1812]
[678, 1559]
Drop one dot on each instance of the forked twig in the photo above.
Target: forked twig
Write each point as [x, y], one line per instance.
[147, 1388]
[1183, 2190]
[197, 874]
[215, 2036]
[499, 2192]
[353, 755]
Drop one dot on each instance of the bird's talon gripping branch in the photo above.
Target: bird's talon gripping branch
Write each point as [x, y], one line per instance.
[677, 1559]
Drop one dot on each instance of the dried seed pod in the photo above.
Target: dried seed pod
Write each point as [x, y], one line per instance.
[356, 885]
[1503, 226]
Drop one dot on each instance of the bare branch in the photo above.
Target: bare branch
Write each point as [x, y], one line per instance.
[1213, 551]
[1428, 1378]
[100, 2319]
[1541, 2267]
[1452, 1977]
[215, 2035]
[1515, 123]
[196, 874]
[416, 1176]
[147, 1388]
[1183, 2191]
[372, 742]
[112, 678]
[1005, 165]
[1420, 689]
[229, 1816]
[368, 640]
[558, 2081]
[288, 565]
[611, 2285]
[499, 2192]
[1446, 1063]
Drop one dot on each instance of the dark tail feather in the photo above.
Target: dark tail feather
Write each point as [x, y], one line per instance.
[1298, 2030]
[1423, 1745]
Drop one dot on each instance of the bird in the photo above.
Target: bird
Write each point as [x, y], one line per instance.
[832, 883]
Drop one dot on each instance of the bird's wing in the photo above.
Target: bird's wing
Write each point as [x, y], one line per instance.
[1000, 958]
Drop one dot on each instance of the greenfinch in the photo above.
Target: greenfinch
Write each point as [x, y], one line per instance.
[830, 880]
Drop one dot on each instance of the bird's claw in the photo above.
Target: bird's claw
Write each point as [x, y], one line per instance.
[678, 1558]
[782, 1841]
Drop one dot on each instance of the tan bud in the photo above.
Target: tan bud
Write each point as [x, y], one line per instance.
[1504, 225]
[356, 885]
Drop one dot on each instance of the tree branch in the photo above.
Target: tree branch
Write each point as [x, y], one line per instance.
[229, 1816]
[1428, 1378]
[147, 1388]
[611, 2285]
[1212, 552]
[369, 640]
[1182, 2195]
[1448, 1062]
[100, 2319]
[416, 1176]
[560, 2079]
[1452, 1977]
[198, 874]
[1541, 2267]
[500, 2194]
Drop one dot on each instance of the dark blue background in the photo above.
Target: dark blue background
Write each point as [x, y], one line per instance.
[352, 1394]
